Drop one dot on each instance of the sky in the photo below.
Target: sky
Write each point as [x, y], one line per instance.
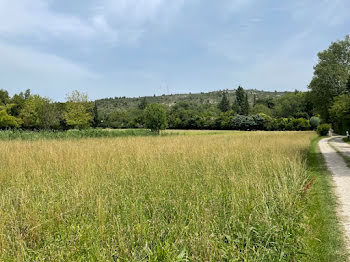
[113, 48]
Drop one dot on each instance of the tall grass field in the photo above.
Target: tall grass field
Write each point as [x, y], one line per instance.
[238, 196]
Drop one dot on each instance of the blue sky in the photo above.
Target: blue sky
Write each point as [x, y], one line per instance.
[113, 48]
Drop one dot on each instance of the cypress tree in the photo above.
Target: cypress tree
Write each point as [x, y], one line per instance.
[143, 103]
[224, 104]
[239, 103]
[245, 109]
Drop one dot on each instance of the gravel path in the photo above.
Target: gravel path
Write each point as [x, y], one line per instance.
[342, 147]
[341, 176]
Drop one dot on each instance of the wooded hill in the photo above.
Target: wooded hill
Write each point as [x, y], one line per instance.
[108, 105]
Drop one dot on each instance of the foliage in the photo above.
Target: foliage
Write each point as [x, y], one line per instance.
[143, 103]
[261, 108]
[330, 76]
[239, 105]
[39, 113]
[315, 122]
[155, 117]
[293, 105]
[246, 107]
[6, 120]
[224, 104]
[78, 111]
[4, 97]
[340, 114]
[323, 129]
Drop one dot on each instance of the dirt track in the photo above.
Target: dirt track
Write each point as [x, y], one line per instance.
[341, 176]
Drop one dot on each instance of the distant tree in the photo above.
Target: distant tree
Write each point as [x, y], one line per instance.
[261, 109]
[254, 100]
[95, 114]
[18, 102]
[290, 105]
[224, 104]
[240, 96]
[4, 97]
[238, 105]
[330, 76]
[38, 113]
[245, 108]
[143, 103]
[269, 102]
[78, 111]
[155, 117]
[7, 121]
[27, 94]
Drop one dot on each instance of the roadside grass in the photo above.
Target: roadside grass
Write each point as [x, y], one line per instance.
[325, 237]
[228, 197]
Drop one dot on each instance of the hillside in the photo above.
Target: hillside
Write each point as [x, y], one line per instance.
[108, 105]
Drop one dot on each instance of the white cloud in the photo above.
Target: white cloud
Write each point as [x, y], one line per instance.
[23, 59]
[33, 17]
[110, 20]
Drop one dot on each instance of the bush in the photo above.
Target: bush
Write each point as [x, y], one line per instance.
[314, 122]
[323, 129]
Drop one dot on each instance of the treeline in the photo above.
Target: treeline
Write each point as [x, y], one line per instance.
[327, 101]
[292, 111]
[33, 112]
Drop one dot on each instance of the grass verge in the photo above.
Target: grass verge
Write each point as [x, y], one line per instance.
[326, 241]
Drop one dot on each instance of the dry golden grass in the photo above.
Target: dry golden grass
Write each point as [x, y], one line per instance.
[234, 196]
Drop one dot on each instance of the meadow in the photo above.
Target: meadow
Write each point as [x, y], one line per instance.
[232, 196]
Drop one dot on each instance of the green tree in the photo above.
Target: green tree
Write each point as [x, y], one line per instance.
[224, 104]
[4, 97]
[330, 76]
[261, 109]
[340, 114]
[37, 112]
[155, 117]
[143, 103]
[7, 121]
[78, 113]
[27, 94]
[292, 105]
[96, 120]
[245, 108]
[239, 105]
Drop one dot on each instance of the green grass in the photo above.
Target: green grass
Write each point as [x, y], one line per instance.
[234, 196]
[325, 237]
[228, 197]
[71, 134]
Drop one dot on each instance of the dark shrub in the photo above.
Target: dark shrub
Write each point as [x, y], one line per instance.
[323, 129]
